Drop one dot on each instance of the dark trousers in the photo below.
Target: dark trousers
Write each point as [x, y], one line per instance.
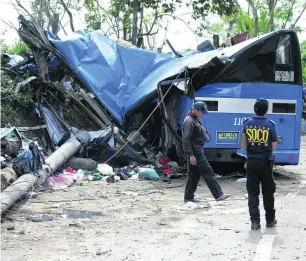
[203, 169]
[260, 171]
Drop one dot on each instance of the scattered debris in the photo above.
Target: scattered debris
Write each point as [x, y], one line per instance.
[55, 206]
[162, 222]
[75, 225]
[82, 163]
[80, 214]
[40, 218]
[10, 228]
[241, 180]
[27, 181]
[100, 252]
[191, 205]
[148, 173]
[105, 169]
[30, 195]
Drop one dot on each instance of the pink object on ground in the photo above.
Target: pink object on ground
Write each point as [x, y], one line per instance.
[61, 181]
[164, 162]
[168, 171]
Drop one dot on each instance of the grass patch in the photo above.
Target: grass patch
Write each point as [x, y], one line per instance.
[16, 48]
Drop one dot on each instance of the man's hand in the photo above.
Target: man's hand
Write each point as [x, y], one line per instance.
[193, 160]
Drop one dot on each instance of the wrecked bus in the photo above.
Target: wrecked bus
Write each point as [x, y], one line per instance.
[147, 95]
[270, 69]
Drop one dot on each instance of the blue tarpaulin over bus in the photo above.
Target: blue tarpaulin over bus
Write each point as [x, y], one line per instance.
[111, 71]
[121, 78]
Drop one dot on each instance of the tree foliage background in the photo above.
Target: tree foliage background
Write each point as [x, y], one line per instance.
[139, 21]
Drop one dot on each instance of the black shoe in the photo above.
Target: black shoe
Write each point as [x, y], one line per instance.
[255, 225]
[271, 223]
[223, 197]
[192, 200]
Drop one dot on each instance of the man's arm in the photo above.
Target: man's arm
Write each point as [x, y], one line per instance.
[187, 136]
[244, 140]
[274, 138]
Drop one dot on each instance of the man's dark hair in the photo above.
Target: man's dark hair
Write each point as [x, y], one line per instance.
[261, 107]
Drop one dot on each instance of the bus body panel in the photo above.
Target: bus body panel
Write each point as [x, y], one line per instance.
[231, 103]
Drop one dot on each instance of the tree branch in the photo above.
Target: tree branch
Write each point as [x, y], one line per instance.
[110, 23]
[289, 14]
[148, 38]
[116, 21]
[22, 7]
[9, 24]
[60, 22]
[297, 19]
[164, 14]
[69, 14]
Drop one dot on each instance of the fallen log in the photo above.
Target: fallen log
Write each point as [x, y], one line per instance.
[8, 176]
[28, 181]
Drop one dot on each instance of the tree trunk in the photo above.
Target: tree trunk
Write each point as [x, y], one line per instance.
[270, 25]
[230, 28]
[69, 14]
[124, 33]
[55, 24]
[135, 22]
[148, 38]
[255, 15]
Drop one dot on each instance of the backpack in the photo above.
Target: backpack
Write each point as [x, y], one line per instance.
[28, 160]
[21, 166]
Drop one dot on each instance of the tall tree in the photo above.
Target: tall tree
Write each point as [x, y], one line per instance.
[265, 16]
[126, 18]
[48, 13]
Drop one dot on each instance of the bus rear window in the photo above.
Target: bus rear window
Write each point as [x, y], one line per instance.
[283, 51]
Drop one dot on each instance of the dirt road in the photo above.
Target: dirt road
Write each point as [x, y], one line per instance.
[146, 221]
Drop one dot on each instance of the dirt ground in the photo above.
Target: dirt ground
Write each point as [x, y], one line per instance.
[143, 220]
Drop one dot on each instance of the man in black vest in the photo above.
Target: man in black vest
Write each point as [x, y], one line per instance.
[194, 135]
[259, 140]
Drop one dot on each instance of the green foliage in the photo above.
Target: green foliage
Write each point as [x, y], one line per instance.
[119, 14]
[17, 48]
[284, 17]
[9, 100]
[93, 17]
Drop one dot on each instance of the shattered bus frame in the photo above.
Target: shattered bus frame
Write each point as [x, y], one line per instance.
[120, 86]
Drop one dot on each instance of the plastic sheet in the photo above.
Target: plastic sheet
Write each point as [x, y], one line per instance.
[121, 78]
[148, 173]
[58, 133]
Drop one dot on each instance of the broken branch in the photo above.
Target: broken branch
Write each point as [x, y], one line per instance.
[69, 14]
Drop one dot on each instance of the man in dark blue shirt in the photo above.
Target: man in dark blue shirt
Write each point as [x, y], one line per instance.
[259, 140]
